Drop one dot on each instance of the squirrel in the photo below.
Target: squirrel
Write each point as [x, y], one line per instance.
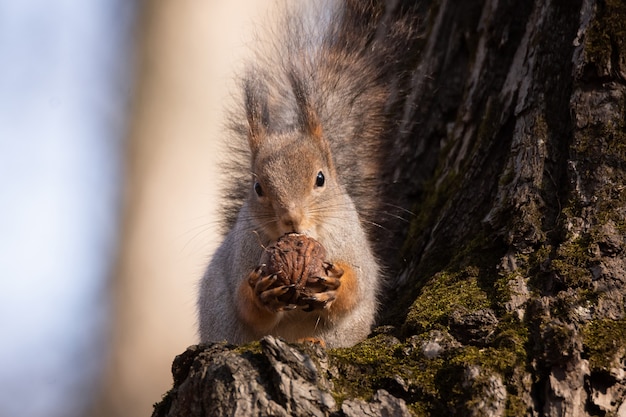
[312, 131]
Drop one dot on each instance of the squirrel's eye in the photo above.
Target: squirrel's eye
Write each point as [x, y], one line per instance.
[258, 189]
[319, 180]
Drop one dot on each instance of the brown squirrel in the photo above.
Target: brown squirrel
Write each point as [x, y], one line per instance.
[311, 132]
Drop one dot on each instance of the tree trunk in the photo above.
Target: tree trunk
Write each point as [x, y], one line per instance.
[511, 299]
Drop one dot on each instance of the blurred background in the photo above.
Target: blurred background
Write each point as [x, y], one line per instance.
[110, 112]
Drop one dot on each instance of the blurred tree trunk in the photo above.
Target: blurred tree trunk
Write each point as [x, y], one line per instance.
[512, 297]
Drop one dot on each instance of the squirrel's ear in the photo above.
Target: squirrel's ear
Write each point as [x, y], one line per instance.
[257, 112]
[307, 116]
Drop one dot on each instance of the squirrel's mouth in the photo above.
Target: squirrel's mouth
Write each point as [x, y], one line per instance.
[307, 233]
[294, 223]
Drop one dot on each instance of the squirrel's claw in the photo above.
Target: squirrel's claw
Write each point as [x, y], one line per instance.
[319, 301]
[255, 275]
[332, 270]
[270, 298]
[262, 284]
[267, 293]
[323, 284]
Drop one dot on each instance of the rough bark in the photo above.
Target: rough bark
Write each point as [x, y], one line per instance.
[511, 299]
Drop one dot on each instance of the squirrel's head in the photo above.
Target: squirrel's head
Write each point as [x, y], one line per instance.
[293, 176]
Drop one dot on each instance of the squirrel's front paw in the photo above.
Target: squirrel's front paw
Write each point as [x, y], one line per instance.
[321, 291]
[269, 292]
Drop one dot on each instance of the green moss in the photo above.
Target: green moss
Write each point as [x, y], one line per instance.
[455, 390]
[571, 263]
[605, 343]
[253, 348]
[506, 358]
[516, 406]
[606, 32]
[499, 360]
[380, 362]
[445, 293]
[606, 137]
[600, 146]
[433, 386]
[537, 258]
[512, 335]
[363, 367]
[419, 410]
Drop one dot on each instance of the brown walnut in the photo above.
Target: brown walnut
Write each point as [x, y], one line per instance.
[296, 260]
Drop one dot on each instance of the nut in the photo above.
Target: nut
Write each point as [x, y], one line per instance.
[294, 259]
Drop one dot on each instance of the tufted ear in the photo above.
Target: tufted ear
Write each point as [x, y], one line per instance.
[307, 116]
[257, 112]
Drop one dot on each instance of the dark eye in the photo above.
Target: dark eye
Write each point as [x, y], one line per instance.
[319, 180]
[258, 189]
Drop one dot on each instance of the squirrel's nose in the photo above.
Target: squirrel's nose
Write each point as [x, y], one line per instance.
[291, 220]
